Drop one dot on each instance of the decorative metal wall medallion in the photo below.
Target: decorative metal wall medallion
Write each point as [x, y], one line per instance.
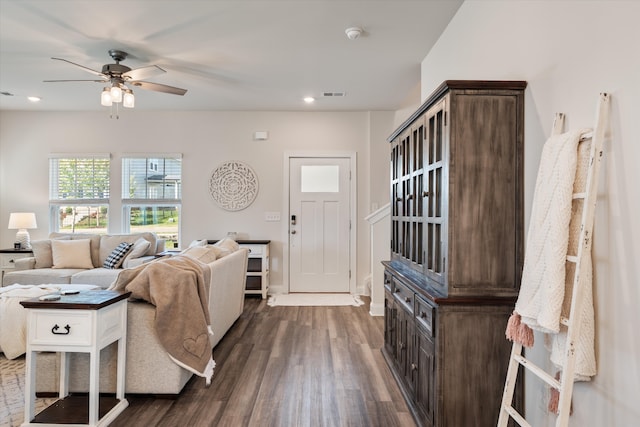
[233, 185]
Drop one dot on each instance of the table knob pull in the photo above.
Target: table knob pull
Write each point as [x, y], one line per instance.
[56, 327]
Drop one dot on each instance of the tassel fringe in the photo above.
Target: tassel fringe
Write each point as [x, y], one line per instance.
[554, 399]
[519, 332]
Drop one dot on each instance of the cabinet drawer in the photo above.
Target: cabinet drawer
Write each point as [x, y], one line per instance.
[388, 281]
[425, 314]
[61, 327]
[404, 295]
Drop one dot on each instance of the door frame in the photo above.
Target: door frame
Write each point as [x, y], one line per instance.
[353, 210]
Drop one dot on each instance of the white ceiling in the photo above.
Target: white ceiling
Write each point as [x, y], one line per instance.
[229, 55]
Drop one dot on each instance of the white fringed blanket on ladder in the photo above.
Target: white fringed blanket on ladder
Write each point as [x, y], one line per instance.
[545, 281]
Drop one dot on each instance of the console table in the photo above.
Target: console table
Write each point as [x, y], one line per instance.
[86, 323]
[257, 282]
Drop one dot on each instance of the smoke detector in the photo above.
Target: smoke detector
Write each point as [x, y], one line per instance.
[353, 32]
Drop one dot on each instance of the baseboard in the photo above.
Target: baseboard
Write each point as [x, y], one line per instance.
[277, 289]
[376, 309]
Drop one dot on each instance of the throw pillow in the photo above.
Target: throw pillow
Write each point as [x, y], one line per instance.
[225, 247]
[115, 259]
[197, 243]
[140, 247]
[42, 252]
[71, 253]
[201, 253]
[93, 238]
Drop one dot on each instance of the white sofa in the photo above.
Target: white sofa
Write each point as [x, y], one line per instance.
[40, 268]
[148, 368]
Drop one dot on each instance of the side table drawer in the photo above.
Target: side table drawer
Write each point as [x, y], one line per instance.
[254, 250]
[9, 260]
[61, 327]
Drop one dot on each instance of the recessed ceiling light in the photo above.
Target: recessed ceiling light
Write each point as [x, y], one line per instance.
[309, 99]
[34, 98]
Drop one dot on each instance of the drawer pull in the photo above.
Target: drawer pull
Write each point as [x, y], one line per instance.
[414, 367]
[407, 299]
[56, 327]
[423, 314]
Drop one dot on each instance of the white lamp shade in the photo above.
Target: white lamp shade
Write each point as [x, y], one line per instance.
[22, 220]
[128, 100]
[116, 93]
[105, 98]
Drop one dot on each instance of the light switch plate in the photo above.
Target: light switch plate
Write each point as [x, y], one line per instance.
[272, 216]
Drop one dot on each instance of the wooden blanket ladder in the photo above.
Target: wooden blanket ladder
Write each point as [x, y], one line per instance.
[565, 384]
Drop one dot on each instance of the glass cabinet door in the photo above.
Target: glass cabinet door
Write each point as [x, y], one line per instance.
[433, 192]
[407, 209]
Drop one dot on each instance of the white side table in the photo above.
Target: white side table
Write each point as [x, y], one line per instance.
[8, 259]
[86, 323]
[258, 265]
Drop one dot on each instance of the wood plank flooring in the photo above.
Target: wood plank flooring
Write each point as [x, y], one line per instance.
[287, 366]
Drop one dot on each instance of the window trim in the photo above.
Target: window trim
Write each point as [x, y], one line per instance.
[56, 203]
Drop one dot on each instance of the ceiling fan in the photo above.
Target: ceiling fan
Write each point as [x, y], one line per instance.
[119, 76]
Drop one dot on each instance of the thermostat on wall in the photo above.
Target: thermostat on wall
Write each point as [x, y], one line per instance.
[261, 135]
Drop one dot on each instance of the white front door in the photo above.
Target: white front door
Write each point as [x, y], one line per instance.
[319, 215]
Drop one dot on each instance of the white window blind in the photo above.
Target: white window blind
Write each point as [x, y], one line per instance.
[152, 177]
[79, 178]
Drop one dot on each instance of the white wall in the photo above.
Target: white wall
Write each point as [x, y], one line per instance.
[205, 139]
[569, 52]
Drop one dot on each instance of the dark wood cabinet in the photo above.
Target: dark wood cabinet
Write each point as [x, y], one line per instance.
[456, 250]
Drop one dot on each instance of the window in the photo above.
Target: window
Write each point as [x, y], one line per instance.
[79, 193]
[152, 195]
[319, 179]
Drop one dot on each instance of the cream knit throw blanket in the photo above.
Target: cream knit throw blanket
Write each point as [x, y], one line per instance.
[544, 283]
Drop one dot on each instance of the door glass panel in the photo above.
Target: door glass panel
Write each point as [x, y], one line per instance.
[319, 179]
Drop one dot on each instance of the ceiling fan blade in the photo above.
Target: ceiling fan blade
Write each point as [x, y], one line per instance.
[58, 81]
[143, 72]
[97, 73]
[158, 87]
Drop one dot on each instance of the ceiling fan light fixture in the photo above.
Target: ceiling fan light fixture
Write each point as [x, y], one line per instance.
[128, 100]
[116, 93]
[105, 97]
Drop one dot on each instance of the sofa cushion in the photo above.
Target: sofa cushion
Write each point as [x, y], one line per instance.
[109, 242]
[115, 258]
[39, 276]
[71, 253]
[42, 252]
[102, 277]
[93, 238]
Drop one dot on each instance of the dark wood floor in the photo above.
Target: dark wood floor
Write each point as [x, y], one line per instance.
[287, 366]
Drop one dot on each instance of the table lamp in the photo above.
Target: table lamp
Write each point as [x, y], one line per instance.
[22, 221]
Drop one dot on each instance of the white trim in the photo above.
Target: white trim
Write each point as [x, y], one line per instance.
[353, 208]
[378, 215]
[151, 155]
[80, 155]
